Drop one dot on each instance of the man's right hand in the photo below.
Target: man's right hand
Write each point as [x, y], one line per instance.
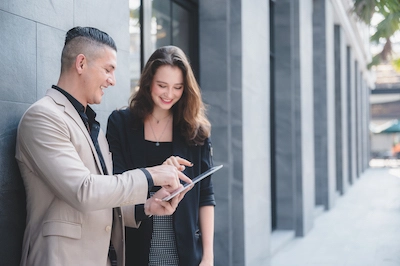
[167, 176]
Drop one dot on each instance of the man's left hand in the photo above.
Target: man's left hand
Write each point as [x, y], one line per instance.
[156, 206]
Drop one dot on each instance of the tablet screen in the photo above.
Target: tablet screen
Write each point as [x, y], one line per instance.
[195, 180]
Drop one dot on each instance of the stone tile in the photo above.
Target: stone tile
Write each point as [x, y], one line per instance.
[213, 56]
[12, 225]
[114, 19]
[9, 176]
[57, 14]
[18, 53]
[213, 10]
[220, 143]
[217, 107]
[50, 42]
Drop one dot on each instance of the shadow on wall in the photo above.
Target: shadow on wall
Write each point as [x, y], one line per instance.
[12, 197]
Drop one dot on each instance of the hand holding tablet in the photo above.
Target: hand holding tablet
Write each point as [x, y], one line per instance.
[194, 181]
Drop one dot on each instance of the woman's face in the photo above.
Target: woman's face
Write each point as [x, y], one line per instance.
[166, 87]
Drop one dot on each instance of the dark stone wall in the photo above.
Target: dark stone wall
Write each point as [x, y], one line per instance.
[32, 36]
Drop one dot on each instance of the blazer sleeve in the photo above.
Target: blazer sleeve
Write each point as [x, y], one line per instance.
[116, 136]
[129, 216]
[50, 147]
[206, 188]
[117, 140]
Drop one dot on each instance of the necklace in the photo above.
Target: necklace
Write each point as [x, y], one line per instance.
[158, 120]
[162, 133]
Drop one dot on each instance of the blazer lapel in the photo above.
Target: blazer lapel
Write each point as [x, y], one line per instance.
[69, 109]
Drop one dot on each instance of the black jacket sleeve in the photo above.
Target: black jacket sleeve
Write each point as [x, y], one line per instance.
[116, 136]
[206, 188]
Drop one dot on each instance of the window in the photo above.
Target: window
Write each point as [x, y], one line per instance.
[156, 23]
[176, 23]
[135, 42]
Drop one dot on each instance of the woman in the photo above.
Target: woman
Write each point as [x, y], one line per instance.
[166, 118]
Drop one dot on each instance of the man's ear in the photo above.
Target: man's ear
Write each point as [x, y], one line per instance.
[80, 63]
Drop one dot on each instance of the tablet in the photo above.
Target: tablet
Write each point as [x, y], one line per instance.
[194, 181]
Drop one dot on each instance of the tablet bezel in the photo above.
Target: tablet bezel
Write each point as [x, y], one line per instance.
[194, 181]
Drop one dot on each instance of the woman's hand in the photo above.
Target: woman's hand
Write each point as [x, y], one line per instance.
[178, 162]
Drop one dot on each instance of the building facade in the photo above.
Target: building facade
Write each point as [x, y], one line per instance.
[285, 83]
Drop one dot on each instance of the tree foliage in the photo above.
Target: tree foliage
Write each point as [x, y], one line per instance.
[386, 28]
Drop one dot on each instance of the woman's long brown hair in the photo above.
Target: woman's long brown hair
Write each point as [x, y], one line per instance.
[189, 111]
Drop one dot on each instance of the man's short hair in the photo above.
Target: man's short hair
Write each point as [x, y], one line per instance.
[83, 40]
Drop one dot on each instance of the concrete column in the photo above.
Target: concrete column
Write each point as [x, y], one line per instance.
[359, 116]
[220, 37]
[284, 117]
[338, 109]
[368, 114]
[342, 150]
[365, 100]
[352, 116]
[256, 128]
[362, 124]
[294, 128]
[324, 104]
[234, 72]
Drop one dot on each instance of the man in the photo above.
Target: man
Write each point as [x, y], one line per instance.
[65, 165]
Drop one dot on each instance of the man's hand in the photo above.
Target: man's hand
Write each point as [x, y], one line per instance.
[156, 206]
[167, 176]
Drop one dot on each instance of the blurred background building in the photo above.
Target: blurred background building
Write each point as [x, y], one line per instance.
[287, 88]
[385, 113]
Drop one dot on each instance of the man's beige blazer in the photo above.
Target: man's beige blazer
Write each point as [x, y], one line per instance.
[69, 200]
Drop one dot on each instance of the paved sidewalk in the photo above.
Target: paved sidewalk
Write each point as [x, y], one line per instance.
[363, 228]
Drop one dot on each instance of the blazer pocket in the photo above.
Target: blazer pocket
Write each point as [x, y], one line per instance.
[62, 228]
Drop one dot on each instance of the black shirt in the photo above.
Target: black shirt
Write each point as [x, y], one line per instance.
[88, 117]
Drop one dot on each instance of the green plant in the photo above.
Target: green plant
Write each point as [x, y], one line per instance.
[389, 10]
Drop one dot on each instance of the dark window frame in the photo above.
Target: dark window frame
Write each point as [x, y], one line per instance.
[192, 7]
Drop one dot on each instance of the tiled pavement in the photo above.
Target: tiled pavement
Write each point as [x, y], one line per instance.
[362, 229]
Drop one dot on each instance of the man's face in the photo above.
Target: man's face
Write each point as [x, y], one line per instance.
[99, 74]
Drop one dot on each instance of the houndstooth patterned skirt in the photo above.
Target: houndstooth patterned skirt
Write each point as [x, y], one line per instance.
[163, 249]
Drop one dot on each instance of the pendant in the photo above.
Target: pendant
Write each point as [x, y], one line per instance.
[157, 143]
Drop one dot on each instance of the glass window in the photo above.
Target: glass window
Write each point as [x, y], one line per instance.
[161, 24]
[135, 42]
[180, 28]
[156, 23]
